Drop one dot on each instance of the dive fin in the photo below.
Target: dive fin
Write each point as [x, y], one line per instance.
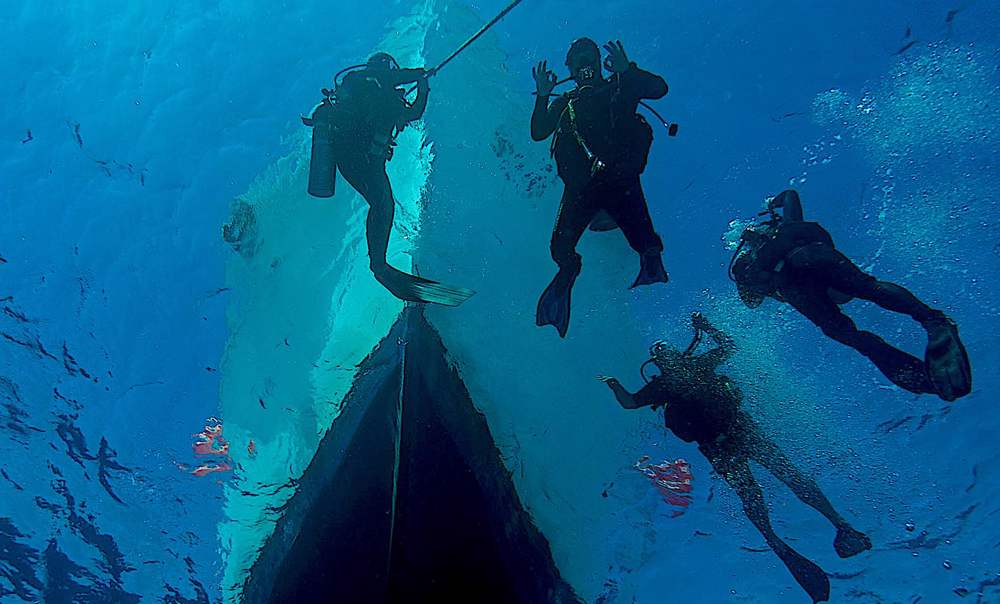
[948, 367]
[807, 574]
[411, 288]
[651, 269]
[851, 542]
[440, 293]
[554, 305]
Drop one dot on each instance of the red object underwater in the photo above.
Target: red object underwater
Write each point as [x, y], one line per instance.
[210, 468]
[211, 442]
[672, 479]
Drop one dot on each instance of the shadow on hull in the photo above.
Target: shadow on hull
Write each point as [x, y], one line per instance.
[407, 499]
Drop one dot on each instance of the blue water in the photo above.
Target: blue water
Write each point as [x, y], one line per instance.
[128, 321]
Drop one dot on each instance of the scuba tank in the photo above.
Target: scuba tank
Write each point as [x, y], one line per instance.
[754, 279]
[323, 157]
[763, 248]
[344, 108]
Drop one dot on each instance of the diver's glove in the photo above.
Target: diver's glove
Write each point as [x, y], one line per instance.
[617, 60]
[699, 322]
[423, 85]
[545, 79]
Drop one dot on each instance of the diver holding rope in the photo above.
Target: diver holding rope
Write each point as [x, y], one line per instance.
[354, 132]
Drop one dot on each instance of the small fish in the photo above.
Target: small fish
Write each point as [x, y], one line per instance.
[909, 32]
[261, 401]
[905, 48]
[951, 14]
[29, 137]
[76, 134]
[251, 449]
[755, 550]
[786, 116]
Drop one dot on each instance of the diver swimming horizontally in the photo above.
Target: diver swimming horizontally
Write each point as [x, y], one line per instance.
[600, 147]
[703, 406]
[795, 261]
[354, 131]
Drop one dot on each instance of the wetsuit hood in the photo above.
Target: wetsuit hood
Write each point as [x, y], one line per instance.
[382, 61]
[667, 358]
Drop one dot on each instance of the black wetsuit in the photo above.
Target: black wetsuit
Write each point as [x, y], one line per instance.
[799, 264]
[369, 111]
[601, 126]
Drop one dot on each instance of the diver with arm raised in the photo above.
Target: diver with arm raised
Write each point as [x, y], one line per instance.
[601, 146]
[703, 406]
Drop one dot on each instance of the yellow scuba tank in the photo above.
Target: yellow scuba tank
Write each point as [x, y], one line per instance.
[323, 158]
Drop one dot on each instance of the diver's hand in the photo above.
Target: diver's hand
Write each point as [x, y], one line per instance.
[621, 395]
[545, 79]
[616, 61]
[422, 84]
[699, 321]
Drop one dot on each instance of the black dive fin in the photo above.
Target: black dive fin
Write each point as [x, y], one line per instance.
[850, 542]
[651, 269]
[554, 305]
[411, 288]
[807, 574]
[440, 293]
[947, 361]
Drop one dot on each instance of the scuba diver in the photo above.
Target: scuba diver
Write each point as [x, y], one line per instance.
[600, 146]
[795, 261]
[354, 131]
[703, 406]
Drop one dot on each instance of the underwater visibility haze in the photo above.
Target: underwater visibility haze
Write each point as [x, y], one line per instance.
[240, 362]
